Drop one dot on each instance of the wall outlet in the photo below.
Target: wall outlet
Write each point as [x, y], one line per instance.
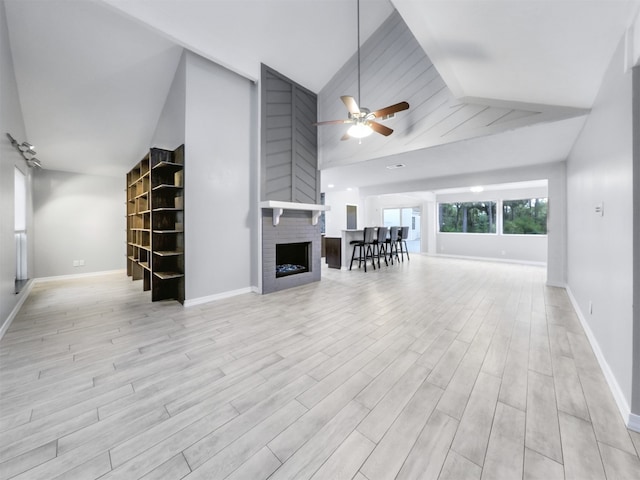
[81, 263]
[504, 252]
[76, 263]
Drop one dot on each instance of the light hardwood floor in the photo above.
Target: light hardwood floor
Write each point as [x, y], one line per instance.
[433, 368]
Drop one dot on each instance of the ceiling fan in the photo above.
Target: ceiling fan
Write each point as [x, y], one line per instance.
[363, 121]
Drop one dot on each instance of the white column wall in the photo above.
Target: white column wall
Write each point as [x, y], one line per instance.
[600, 248]
[221, 220]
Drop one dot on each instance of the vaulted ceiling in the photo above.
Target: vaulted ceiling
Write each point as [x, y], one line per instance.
[93, 74]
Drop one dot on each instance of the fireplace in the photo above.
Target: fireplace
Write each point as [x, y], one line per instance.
[290, 250]
[292, 258]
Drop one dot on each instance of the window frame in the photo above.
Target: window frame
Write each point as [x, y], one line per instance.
[502, 230]
[496, 204]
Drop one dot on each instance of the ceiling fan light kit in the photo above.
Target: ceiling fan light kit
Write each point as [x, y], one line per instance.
[359, 130]
[362, 119]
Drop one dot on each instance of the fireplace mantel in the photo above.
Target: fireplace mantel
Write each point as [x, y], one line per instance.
[279, 208]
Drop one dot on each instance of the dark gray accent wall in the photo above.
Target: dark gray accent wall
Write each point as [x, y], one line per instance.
[289, 140]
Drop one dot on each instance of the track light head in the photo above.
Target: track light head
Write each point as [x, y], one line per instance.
[26, 147]
[34, 163]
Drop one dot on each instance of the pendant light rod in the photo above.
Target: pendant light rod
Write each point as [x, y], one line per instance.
[358, 13]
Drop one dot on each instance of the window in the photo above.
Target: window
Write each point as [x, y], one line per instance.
[20, 228]
[402, 217]
[525, 217]
[405, 217]
[477, 217]
[352, 217]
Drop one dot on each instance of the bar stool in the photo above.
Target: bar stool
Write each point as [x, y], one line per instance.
[365, 249]
[381, 244]
[392, 243]
[402, 240]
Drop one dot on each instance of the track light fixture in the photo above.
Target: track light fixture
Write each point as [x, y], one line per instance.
[27, 151]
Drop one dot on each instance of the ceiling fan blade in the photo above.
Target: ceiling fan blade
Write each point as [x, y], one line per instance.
[378, 127]
[390, 110]
[351, 104]
[332, 122]
[346, 136]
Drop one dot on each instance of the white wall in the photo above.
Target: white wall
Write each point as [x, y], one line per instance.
[221, 175]
[78, 217]
[11, 121]
[599, 169]
[336, 218]
[513, 248]
[169, 133]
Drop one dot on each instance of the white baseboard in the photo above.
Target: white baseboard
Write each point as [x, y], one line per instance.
[77, 275]
[616, 391]
[219, 296]
[634, 422]
[491, 259]
[23, 296]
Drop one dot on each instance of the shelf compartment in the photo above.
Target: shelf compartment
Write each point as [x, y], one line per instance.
[168, 186]
[168, 253]
[168, 275]
[168, 165]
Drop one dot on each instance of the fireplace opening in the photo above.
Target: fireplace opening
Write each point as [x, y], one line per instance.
[292, 258]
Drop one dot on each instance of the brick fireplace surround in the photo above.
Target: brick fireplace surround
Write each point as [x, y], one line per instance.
[294, 226]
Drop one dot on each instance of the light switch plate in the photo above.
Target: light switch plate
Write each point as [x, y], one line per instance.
[599, 209]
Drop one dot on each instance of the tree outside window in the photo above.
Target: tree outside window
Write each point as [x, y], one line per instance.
[465, 217]
[524, 217]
